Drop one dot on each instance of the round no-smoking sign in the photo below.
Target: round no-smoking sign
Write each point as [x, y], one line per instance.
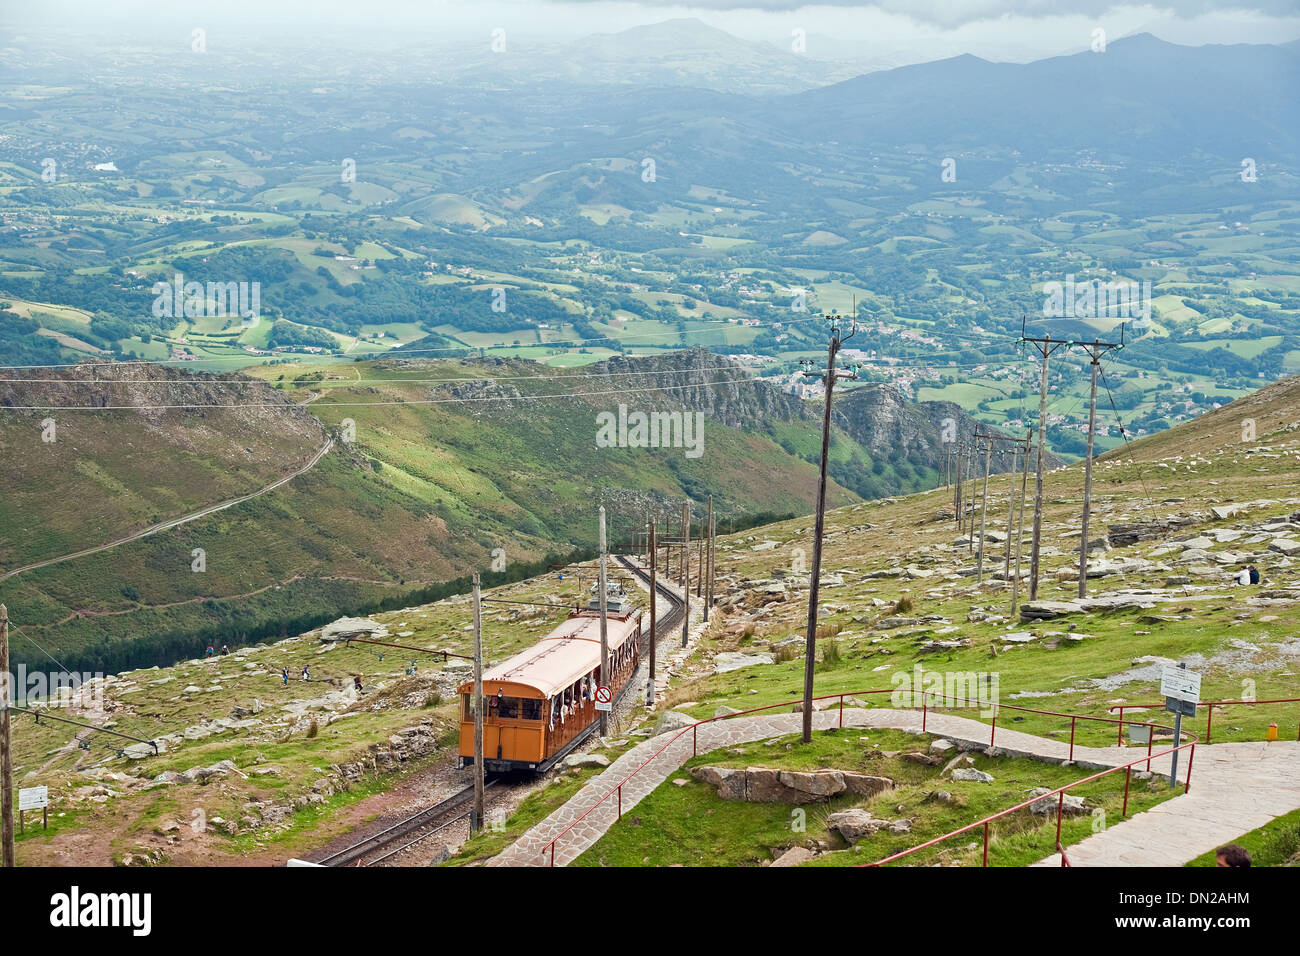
[603, 698]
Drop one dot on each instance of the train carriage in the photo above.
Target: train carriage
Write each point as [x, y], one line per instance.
[540, 704]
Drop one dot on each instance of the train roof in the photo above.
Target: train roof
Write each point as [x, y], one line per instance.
[563, 656]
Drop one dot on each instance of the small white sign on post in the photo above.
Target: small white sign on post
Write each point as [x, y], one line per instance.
[604, 698]
[1181, 684]
[33, 798]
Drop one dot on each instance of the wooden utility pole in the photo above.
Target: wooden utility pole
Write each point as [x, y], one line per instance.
[706, 563]
[1020, 531]
[990, 438]
[6, 752]
[1011, 511]
[984, 507]
[686, 571]
[604, 628]
[713, 553]
[1095, 350]
[654, 630]
[1045, 346]
[829, 379]
[957, 485]
[668, 534]
[476, 821]
[970, 525]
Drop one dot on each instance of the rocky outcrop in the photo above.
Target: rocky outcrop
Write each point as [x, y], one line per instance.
[857, 824]
[766, 785]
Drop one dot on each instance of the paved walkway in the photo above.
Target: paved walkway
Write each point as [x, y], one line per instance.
[1236, 787]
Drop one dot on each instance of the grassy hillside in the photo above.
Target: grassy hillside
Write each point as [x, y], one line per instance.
[447, 463]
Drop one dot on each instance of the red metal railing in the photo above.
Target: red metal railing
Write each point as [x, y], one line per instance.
[927, 701]
[1209, 709]
[1059, 793]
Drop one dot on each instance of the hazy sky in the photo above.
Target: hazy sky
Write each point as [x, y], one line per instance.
[922, 29]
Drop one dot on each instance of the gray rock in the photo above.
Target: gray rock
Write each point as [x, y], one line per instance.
[586, 760]
[794, 856]
[671, 721]
[971, 774]
[734, 660]
[1073, 806]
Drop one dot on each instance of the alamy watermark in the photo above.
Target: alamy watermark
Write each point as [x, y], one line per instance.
[193, 300]
[1095, 298]
[975, 689]
[626, 429]
[58, 688]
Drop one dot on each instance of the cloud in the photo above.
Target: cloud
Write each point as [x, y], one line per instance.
[954, 13]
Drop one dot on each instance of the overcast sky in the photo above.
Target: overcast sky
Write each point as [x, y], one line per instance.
[924, 29]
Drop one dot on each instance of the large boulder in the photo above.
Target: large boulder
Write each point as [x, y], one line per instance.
[821, 784]
[1073, 806]
[857, 823]
[730, 781]
[865, 785]
[734, 660]
[586, 760]
[768, 785]
[671, 722]
[794, 856]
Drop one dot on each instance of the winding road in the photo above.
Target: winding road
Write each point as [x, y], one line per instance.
[176, 522]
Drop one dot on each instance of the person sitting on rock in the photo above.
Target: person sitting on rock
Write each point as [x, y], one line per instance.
[1254, 574]
[356, 682]
[1243, 577]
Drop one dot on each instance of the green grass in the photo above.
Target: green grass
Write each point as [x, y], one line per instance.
[690, 825]
[1274, 844]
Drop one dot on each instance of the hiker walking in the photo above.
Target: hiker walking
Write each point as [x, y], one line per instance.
[356, 682]
[306, 674]
[284, 672]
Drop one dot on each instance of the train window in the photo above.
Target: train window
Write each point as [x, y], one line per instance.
[467, 702]
[530, 708]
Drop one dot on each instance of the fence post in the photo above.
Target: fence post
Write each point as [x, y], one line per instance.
[841, 711]
[1191, 755]
[1060, 811]
[1119, 734]
[620, 801]
[1151, 736]
[1128, 775]
[994, 734]
[1209, 718]
[925, 711]
[695, 740]
[1073, 720]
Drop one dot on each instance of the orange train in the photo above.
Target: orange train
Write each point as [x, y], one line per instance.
[540, 704]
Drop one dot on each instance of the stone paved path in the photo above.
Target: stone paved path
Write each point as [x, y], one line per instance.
[1237, 787]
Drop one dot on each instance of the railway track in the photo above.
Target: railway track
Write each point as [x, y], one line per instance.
[677, 607]
[407, 832]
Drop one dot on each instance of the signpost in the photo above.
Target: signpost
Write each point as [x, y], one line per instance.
[1182, 691]
[33, 798]
[604, 698]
